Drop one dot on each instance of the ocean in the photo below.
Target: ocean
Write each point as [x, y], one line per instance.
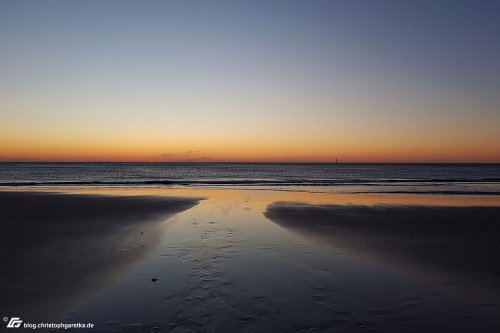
[342, 178]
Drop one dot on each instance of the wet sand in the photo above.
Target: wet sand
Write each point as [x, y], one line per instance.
[456, 247]
[57, 250]
[459, 241]
[256, 261]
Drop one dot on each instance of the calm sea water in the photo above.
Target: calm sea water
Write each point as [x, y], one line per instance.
[397, 178]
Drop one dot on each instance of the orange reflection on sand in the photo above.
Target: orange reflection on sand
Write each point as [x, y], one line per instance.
[260, 198]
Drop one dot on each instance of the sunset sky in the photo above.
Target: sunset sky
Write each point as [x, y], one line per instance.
[371, 81]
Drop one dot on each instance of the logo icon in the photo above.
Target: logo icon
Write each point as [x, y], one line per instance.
[14, 322]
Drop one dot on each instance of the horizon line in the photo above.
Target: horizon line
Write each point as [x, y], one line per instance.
[259, 162]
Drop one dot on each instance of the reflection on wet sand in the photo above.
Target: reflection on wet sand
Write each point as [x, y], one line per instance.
[461, 244]
[224, 267]
[57, 250]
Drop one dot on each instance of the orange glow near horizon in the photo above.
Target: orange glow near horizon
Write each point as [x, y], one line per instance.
[256, 150]
[281, 132]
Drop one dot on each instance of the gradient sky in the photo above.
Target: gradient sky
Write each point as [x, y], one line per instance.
[104, 80]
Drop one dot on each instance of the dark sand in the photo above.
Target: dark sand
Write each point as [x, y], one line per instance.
[223, 266]
[57, 250]
[458, 244]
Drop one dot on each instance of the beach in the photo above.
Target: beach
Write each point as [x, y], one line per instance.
[57, 250]
[247, 260]
[458, 241]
